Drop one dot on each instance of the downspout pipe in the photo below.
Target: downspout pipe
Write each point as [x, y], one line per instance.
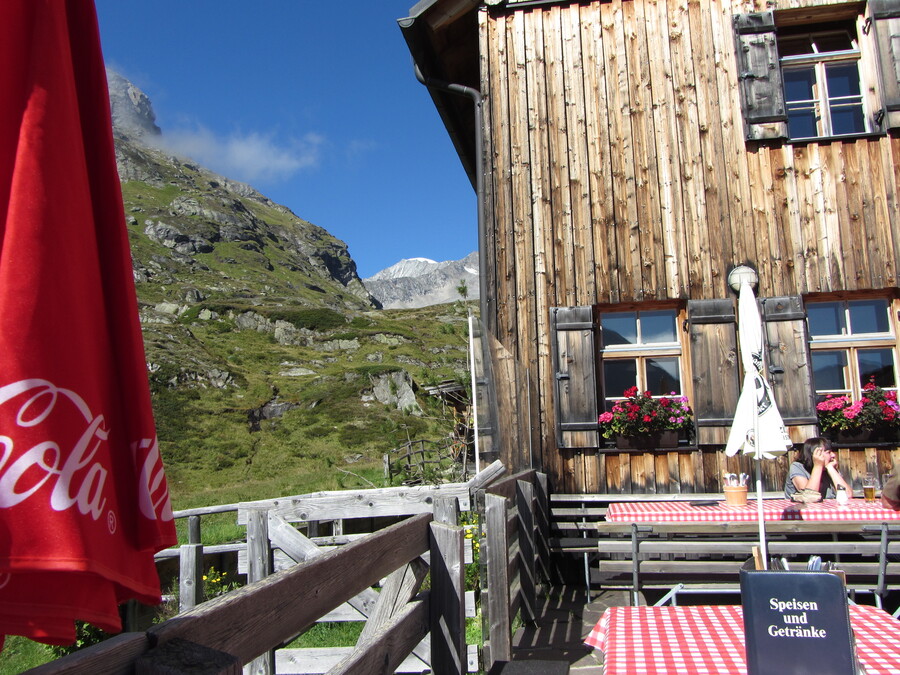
[477, 99]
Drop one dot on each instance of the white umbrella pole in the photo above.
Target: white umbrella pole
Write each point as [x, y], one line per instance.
[764, 554]
[759, 513]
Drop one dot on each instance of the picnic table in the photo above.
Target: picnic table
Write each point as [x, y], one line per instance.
[699, 547]
[709, 640]
[774, 510]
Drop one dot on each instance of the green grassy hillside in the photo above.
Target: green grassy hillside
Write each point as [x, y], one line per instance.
[330, 436]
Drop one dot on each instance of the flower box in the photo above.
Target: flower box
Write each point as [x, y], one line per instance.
[861, 437]
[873, 419]
[662, 439]
[641, 421]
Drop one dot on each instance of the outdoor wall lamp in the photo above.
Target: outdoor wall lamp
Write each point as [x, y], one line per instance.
[740, 274]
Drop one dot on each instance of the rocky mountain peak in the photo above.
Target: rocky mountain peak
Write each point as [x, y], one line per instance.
[196, 235]
[420, 282]
[132, 112]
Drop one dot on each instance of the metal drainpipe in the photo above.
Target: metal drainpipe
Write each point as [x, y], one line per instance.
[477, 99]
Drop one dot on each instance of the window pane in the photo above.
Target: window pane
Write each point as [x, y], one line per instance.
[795, 46]
[663, 376]
[833, 42]
[829, 370]
[825, 318]
[803, 124]
[848, 120]
[843, 79]
[618, 375]
[868, 316]
[658, 326]
[876, 365]
[798, 84]
[619, 328]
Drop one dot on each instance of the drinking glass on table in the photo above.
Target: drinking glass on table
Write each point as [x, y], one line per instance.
[870, 485]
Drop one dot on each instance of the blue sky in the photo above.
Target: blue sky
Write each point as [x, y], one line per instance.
[314, 103]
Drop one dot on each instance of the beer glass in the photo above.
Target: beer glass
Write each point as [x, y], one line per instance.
[870, 485]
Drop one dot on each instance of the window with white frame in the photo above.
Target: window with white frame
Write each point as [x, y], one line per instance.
[852, 342]
[640, 348]
[822, 90]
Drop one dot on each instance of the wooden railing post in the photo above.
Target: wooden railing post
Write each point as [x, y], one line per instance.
[190, 576]
[525, 511]
[259, 566]
[499, 643]
[542, 526]
[447, 602]
[446, 510]
[194, 529]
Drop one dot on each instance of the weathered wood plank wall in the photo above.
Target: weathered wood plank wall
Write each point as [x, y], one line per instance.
[618, 172]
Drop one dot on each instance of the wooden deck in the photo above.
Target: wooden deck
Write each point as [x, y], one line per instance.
[565, 619]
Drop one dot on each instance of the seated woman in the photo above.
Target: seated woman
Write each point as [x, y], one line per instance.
[890, 491]
[816, 469]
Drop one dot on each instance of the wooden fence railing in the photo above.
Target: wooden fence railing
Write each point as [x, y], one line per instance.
[244, 626]
[515, 555]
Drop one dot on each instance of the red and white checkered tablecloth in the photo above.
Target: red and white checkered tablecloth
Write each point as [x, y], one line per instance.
[709, 640]
[773, 510]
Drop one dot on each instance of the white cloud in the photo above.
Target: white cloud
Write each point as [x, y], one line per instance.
[358, 150]
[249, 157]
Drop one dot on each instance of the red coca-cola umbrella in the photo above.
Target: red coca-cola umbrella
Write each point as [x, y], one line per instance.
[83, 497]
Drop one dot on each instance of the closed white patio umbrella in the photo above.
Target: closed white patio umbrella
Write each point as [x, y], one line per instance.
[758, 428]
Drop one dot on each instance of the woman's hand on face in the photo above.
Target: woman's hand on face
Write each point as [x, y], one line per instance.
[820, 457]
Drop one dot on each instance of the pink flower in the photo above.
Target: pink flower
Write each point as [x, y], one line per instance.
[605, 417]
[854, 409]
[835, 403]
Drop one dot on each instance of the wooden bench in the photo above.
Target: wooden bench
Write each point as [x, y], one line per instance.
[706, 558]
[578, 527]
[708, 555]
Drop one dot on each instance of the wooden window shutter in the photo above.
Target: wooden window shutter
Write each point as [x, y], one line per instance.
[574, 366]
[885, 16]
[759, 76]
[714, 367]
[788, 361]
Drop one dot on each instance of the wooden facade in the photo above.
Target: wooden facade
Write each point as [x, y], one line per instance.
[626, 166]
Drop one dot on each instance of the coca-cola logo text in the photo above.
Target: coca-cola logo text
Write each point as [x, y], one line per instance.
[76, 474]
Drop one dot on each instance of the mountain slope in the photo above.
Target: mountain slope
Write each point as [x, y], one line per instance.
[211, 237]
[271, 367]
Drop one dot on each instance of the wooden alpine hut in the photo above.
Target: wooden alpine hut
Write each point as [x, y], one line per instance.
[628, 155]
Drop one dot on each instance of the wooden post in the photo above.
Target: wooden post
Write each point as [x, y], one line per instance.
[194, 530]
[525, 509]
[542, 526]
[401, 586]
[478, 507]
[446, 510]
[129, 613]
[259, 566]
[448, 604]
[499, 638]
[190, 576]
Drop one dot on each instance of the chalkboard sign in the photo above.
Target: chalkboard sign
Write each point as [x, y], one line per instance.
[797, 623]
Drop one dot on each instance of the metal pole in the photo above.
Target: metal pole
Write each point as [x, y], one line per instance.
[474, 391]
[759, 486]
